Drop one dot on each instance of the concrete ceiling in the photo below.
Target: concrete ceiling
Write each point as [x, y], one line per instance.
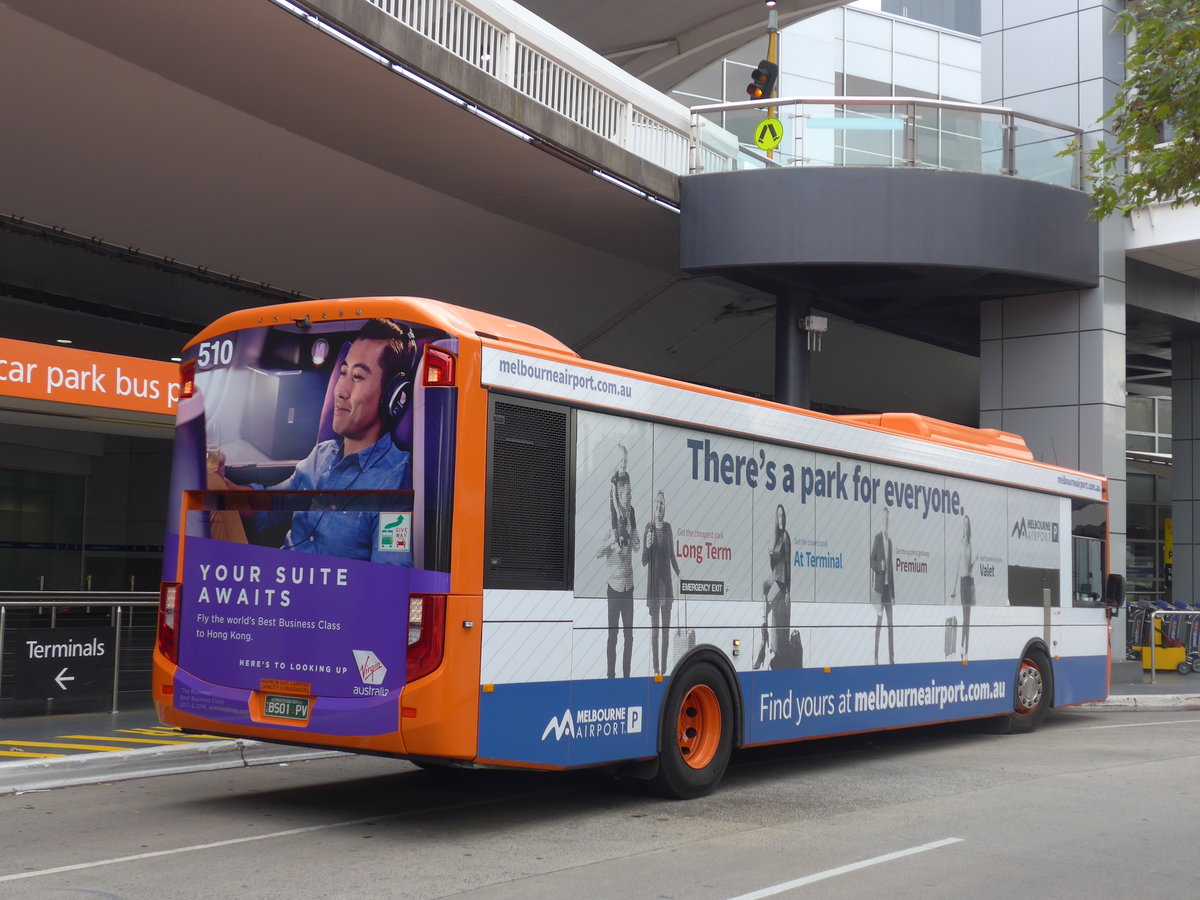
[153, 150]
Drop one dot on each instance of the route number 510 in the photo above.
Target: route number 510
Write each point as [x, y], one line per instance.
[214, 353]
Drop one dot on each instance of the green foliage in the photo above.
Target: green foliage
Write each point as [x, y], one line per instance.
[1161, 95]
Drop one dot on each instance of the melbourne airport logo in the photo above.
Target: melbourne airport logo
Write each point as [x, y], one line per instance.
[1035, 530]
[593, 723]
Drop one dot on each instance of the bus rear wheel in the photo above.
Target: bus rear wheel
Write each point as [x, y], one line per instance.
[696, 733]
[1034, 689]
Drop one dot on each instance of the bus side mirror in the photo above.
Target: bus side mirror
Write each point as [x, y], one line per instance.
[1114, 595]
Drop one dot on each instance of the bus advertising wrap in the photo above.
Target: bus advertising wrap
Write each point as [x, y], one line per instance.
[318, 456]
[682, 520]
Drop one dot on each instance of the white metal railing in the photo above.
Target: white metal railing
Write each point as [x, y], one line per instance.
[893, 131]
[532, 57]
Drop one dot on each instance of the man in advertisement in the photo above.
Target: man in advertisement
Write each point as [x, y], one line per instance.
[883, 586]
[372, 390]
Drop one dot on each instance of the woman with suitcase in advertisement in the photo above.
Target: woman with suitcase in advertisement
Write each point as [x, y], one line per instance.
[964, 585]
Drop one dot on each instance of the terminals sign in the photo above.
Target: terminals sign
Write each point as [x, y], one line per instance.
[65, 663]
[768, 134]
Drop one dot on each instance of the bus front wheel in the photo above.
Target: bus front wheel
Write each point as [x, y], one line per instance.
[696, 733]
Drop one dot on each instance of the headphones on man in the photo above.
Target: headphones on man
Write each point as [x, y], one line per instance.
[397, 392]
[394, 398]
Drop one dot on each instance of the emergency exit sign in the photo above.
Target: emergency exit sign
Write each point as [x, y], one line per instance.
[65, 663]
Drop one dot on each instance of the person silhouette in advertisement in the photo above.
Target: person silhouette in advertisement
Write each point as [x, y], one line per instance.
[777, 598]
[883, 586]
[964, 585]
[618, 548]
[658, 555]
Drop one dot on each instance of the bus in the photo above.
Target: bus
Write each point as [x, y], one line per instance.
[408, 528]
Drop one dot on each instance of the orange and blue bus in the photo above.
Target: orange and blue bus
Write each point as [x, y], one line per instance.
[407, 528]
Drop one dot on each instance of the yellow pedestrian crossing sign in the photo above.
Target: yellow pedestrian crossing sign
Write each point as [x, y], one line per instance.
[768, 134]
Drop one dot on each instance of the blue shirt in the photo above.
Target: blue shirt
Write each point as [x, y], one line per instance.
[333, 527]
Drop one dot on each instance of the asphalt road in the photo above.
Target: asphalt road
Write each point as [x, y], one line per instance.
[1095, 804]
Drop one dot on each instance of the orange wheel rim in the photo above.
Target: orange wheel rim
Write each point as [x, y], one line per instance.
[699, 730]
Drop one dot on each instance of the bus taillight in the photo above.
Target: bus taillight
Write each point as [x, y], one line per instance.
[187, 379]
[439, 368]
[426, 634]
[168, 634]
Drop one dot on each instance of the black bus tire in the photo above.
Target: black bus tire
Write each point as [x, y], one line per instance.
[695, 733]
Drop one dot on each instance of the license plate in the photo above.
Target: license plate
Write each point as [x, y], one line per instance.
[282, 707]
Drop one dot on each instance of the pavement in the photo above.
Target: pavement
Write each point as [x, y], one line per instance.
[40, 753]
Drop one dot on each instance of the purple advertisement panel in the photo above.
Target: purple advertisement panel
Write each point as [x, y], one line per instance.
[322, 462]
[251, 614]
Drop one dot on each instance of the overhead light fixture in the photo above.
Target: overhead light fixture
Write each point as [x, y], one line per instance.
[770, 3]
[63, 341]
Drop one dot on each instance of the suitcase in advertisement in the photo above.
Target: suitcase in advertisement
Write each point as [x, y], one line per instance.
[951, 635]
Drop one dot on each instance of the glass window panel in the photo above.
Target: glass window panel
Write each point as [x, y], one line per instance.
[1164, 416]
[1141, 565]
[929, 147]
[961, 84]
[961, 153]
[737, 76]
[1139, 413]
[867, 29]
[968, 124]
[915, 41]
[702, 87]
[1139, 488]
[1164, 445]
[1142, 520]
[857, 86]
[870, 62]
[1040, 161]
[750, 54]
[912, 75]
[1163, 484]
[803, 86]
[1143, 443]
[961, 52]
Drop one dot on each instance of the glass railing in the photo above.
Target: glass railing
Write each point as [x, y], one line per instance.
[889, 131]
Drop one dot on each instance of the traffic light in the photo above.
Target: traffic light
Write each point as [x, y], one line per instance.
[762, 81]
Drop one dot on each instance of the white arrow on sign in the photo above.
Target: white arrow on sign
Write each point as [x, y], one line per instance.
[63, 676]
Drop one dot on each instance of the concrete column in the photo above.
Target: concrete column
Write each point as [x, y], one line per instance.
[793, 359]
[1052, 367]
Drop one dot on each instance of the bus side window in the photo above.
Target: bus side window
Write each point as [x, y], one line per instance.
[529, 535]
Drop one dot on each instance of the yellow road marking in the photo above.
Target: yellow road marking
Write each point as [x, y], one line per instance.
[124, 740]
[61, 746]
[22, 753]
[169, 732]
